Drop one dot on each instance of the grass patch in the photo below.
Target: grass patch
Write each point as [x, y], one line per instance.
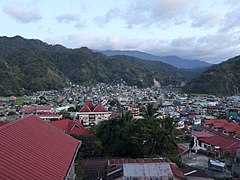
[20, 100]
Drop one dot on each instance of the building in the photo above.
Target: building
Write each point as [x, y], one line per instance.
[34, 149]
[222, 127]
[71, 127]
[218, 136]
[132, 107]
[91, 114]
[35, 109]
[143, 168]
[50, 116]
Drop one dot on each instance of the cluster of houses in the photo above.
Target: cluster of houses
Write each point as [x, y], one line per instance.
[34, 149]
[212, 122]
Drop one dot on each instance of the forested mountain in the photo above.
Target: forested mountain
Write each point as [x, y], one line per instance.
[172, 60]
[222, 79]
[24, 66]
[31, 65]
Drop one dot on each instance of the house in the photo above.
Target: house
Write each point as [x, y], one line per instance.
[50, 116]
[199, 145]
[222, 127]
[143, 168]
[132, 107]
[91, 114]
[214, 143]
[34, 149]
[71, 127]
[35, 109]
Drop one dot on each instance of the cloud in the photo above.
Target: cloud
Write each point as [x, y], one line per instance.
[147, 12]
[21, 14]
[230, 21]
[111, 14]
[213, 48]
[80, 25]
[67, 18]
[210, 19]
[233, 3]
[72, 18]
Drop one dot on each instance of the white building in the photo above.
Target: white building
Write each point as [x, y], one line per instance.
[91, 114]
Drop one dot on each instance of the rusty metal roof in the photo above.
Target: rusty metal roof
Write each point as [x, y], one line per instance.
[147, 170]
[143, 168]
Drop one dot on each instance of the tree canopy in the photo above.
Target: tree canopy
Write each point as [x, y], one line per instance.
[150, 137]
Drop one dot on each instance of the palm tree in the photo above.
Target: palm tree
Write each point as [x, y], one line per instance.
[168, 125]
[127, 117]
[149, 111]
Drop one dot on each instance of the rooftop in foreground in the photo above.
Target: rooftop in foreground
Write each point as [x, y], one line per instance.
[34, 149]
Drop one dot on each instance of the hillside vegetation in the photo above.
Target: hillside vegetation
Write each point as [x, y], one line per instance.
[222, 79]
[32, 65]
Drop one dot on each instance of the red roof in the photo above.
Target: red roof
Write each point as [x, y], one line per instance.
[90, 107]
[199, 134]
[71, 127]
[229, 128]
[223, 123]
[219, 123]
[27, 109]
[85, 108]
[99, 108]
[34, 149]
[2, 123]
[35, 108]
[43, 108]
[90, 104]
[182, 148]
[188, 123]
[209, 122]
[225, 143]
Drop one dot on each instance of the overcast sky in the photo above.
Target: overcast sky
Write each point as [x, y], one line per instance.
[207, 30]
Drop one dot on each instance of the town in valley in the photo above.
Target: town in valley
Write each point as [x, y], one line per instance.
[206, 128]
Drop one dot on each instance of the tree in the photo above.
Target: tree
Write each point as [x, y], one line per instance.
[71, 109]
[127, 117]
[149, 112]
[142, 138]
[91, 146]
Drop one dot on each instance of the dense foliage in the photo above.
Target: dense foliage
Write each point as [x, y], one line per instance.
[222, 79]
[91, 146]
[31, 65]
[150, 137]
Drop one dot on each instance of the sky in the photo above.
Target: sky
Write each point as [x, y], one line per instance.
[207, 30]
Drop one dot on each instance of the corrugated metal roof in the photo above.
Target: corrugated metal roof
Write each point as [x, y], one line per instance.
[147, 170]
[33, 149]
[144, 168]
[139, 160]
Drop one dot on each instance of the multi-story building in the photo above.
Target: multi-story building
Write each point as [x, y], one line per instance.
[91, 114]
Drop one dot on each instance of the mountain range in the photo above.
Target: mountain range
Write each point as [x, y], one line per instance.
[28, 65]
[172, 60]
